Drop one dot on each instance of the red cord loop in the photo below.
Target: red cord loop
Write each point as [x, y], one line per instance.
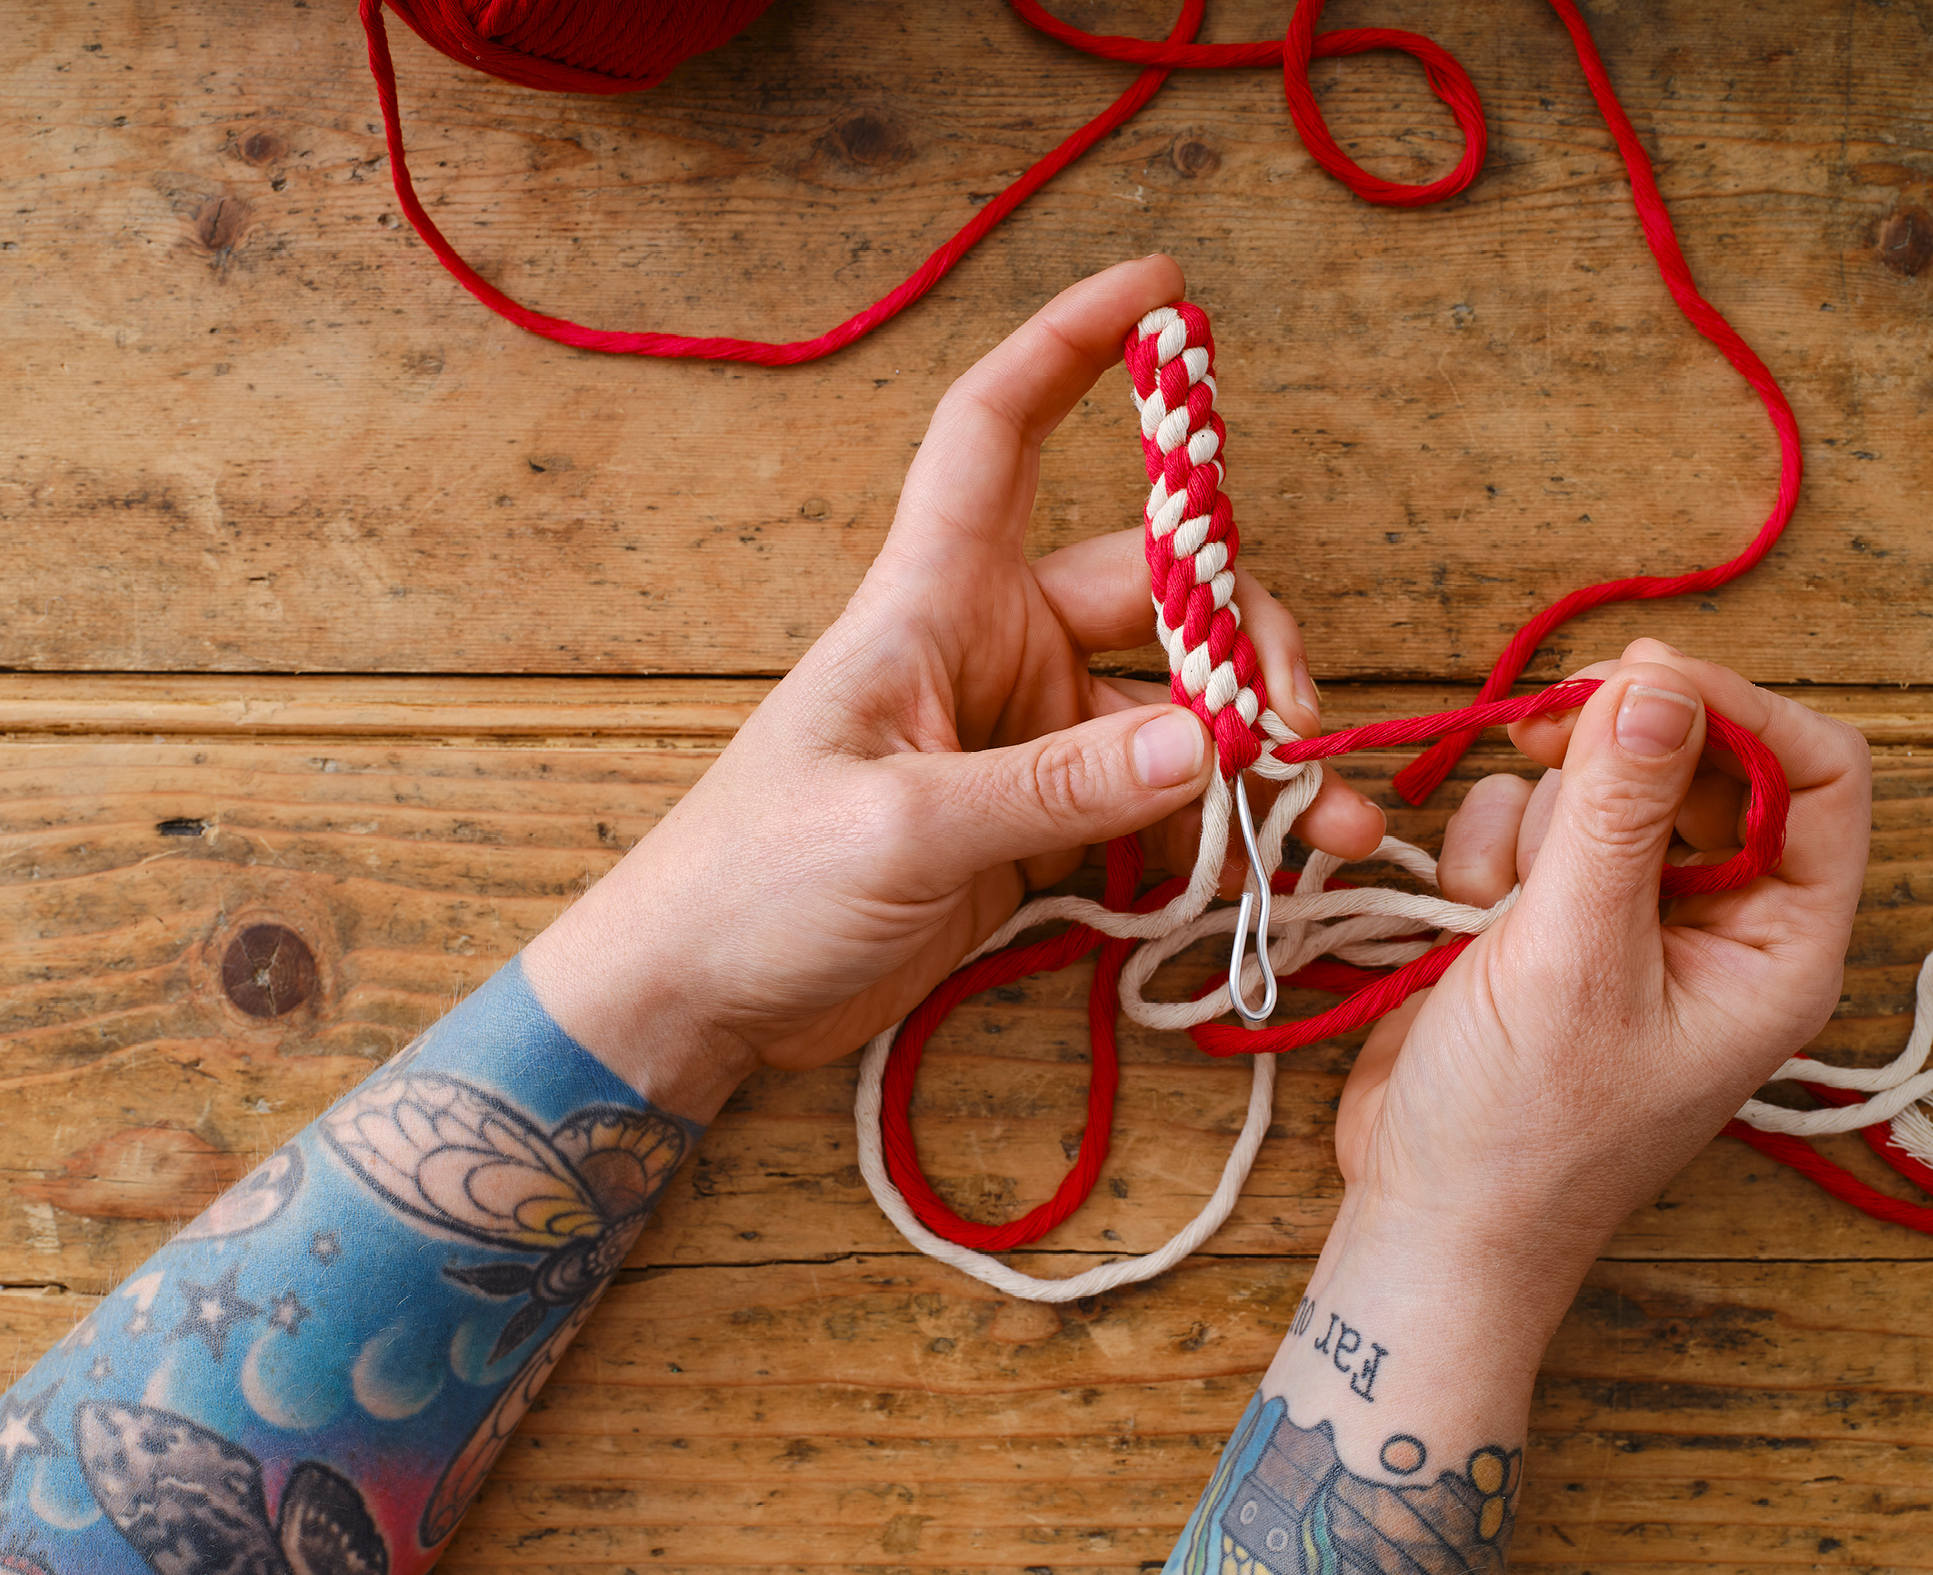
[1447, 79]
[1367, 995]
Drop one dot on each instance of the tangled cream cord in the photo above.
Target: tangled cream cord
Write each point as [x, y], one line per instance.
[1355, 925]
[1360, 926]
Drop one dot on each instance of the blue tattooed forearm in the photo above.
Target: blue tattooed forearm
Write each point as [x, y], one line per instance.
[1282, 1503]
[315, 1376]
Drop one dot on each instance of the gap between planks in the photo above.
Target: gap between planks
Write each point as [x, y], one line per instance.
[653, 711]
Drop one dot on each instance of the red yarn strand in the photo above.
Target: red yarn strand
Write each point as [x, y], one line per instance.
[1794, 1151]
[759, 352]
[442, 25]
[1369, 996]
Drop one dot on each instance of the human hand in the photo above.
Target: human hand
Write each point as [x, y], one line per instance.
[941, 749]
[1496, 1129]
[1585, 1047]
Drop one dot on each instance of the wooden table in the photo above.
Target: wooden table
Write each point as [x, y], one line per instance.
[331, 602]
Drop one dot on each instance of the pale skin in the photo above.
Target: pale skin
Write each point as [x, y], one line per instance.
[943, 749]
[940, 751]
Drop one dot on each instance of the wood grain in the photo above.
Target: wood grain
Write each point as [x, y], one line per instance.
[878, 1413]
[296, 531]
[1439, 420]
[777, 1383]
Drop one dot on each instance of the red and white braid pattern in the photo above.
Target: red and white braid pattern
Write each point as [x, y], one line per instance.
[1191, 538]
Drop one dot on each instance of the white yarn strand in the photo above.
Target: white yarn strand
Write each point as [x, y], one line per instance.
[1091, 1282]
[1895, 1087]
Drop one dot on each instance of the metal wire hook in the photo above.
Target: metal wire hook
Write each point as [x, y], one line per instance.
[1256, 902]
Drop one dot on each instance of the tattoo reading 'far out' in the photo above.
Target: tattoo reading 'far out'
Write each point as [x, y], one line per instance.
[1340, 1342]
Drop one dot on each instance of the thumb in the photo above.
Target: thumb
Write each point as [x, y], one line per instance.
[1626, 771]
[1085, 784]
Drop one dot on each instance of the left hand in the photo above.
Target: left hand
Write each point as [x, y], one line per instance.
[939, 751]
[1593, 1039]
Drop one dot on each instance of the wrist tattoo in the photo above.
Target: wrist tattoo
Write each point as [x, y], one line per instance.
[317, 1374]
[1282, 1503]
[1341, 1343]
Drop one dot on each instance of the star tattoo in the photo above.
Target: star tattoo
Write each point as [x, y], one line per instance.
[214, 1311]
[288, 1314]
[325, 1247]
[22, 1437]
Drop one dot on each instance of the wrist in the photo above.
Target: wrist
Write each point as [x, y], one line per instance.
[1482, 1258]
[1414, 1329]
[601, 974]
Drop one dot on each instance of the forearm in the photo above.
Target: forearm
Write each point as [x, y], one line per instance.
[344, 1341]
[1388, 1432]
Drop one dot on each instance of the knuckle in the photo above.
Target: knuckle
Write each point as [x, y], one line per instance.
[1064, 781]
[1851, 745]
[1623, 816]
[889, 814]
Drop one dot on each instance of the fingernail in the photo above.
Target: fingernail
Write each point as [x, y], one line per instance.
[1306, 694]
[1654, 722]
[1168, 750]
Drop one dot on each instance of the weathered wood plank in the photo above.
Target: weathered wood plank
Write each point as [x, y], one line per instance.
[879, 1413]
[664, 713]
[129, 868]
[254, 426]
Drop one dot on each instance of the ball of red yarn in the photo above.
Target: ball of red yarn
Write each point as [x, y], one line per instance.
[577, 46]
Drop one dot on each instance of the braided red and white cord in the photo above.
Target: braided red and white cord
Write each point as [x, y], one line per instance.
[1191, 542]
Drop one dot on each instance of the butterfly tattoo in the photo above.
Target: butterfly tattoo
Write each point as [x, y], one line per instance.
[192, 1503]
[467, 1164]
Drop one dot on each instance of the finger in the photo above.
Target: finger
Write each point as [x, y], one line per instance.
[981, 447]
[1285, 664]
[1478, 864]
[1537, 817]
[1125, 694]
[1341, 821]
[1098, 589]
[1629, 762]
[1068, 789]
[1827, 764]
[1544, 736]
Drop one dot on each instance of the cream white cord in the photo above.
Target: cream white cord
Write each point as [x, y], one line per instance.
[1091, 1282]
[1895, 1088]
[1352, 924]
[1358, 926]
